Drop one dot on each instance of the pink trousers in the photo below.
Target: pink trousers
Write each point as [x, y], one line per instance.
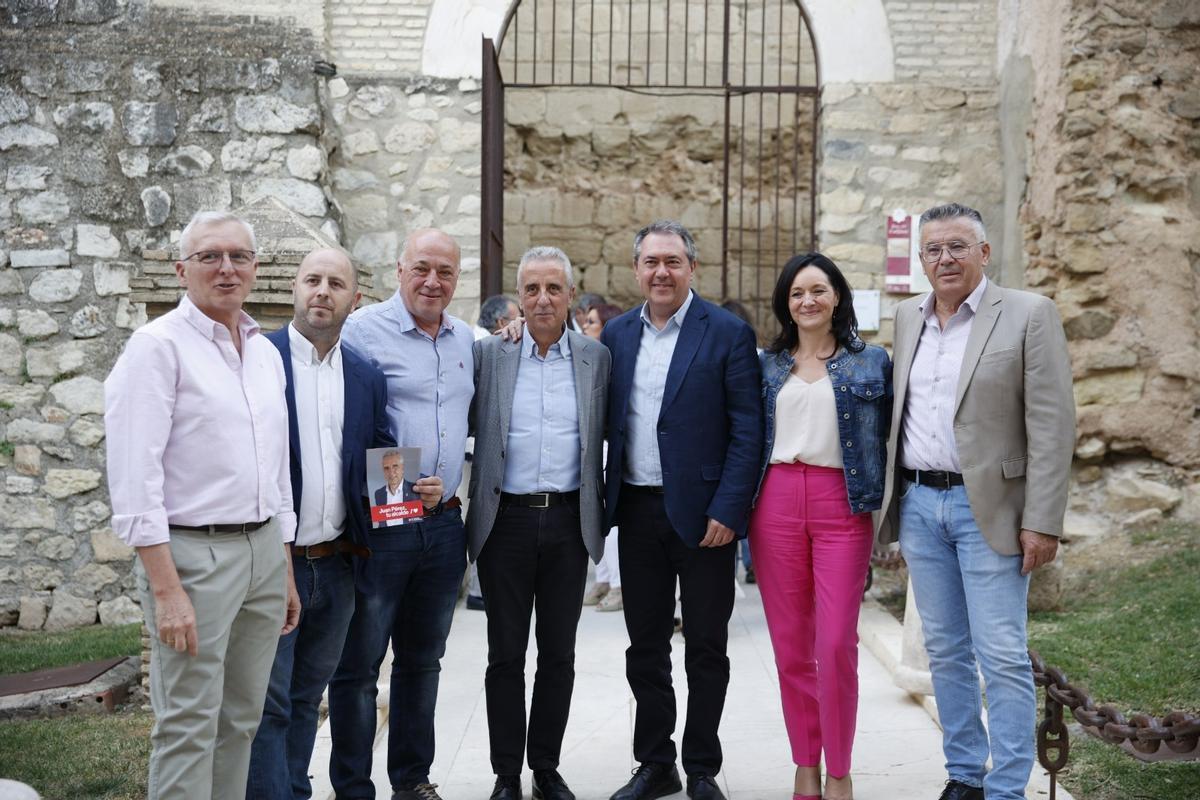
[811, 555]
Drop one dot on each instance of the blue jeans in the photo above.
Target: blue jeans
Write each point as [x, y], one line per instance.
[407, 592]
[304, 662]
[972, 604]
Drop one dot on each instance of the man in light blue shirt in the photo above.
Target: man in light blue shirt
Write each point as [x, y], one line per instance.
[408, 587]
[536, 515]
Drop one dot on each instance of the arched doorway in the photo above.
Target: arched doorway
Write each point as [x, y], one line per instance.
[715, 122]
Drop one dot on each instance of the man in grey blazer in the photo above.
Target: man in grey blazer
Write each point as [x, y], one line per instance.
[983, 430]
[536, 514]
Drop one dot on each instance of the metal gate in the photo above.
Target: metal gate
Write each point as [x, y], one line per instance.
[756, 57]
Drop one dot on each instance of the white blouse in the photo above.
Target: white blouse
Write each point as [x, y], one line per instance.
[806, 427]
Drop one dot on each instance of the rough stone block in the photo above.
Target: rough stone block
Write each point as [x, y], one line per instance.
[80, 395]
[1129, 493]
[111, 279]
[300, 196]
[360, 143]
[55, 548]
[84, 117]
[156, 205]
[93, 578]
[212, 117]
[24, 135]
[129, 316]
[36, 324]
[369, 101]
[68, 611]
[120, 611]
[201, 194]
[44, 207]
[33, 613]
[11, 356]
[56, 285]
[149, 123]
[87, 322]
[242, 155]
[50, 362]
[27, 459]
[86, 433]
[146, 80]
[20, 484]
[189, 161]
[1110, 388]
[456, 137]
[271, 114]
[305, 162]
[13, 107]
[89, 515]
[26, 177]
[134, 163]
[107, 548]
[96, 240]
[62, 483]
[27, 512]
[40, 258]
[408, 137]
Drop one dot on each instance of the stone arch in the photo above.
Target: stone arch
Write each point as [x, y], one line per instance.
[854, 41]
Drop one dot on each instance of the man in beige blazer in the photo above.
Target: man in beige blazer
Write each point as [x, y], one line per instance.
[983, 430]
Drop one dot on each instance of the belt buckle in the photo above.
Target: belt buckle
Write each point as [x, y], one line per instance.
[545, 500]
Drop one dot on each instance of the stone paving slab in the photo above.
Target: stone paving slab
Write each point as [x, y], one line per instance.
[897, 749]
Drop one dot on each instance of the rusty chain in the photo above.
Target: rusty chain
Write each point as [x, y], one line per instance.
[1142, 735]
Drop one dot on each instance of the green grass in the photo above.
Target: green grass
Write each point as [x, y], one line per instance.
[25, 651]
[79, 756]
[1130, 637]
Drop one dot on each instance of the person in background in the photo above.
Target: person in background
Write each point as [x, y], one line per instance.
[741, 312]
[586, 301]
[605, 593]
[337, 410]
[825, 396]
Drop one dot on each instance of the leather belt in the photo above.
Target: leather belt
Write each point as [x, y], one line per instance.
[244, 527]
[453, 502]
[318, 550]
[633, 487]
[933, 478]
[539, 499]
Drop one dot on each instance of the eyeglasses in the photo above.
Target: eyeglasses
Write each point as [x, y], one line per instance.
[932, 253]
[214, 258]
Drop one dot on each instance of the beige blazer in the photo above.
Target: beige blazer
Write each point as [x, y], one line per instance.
[1014, 416]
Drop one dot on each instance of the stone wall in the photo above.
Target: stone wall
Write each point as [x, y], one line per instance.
[1112, 225]
[405, 155]
[114, 128]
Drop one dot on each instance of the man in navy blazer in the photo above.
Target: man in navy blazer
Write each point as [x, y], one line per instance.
[685, 433]
[337, 410]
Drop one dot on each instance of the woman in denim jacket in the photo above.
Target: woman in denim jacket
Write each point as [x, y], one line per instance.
[827, 400]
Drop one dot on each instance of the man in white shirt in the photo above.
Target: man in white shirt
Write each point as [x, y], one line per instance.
[197, 436]
[337, 410]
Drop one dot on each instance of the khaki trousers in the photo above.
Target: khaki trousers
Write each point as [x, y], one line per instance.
[207, 707]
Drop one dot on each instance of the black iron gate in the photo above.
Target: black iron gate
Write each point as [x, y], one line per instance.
[756, 57]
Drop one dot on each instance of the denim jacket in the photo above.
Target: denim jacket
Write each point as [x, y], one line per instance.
[862, 391]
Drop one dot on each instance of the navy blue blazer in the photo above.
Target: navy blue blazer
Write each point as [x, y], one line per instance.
[710, 429]
[364, 426]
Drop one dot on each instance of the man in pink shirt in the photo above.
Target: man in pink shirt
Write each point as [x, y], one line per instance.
[197, 434]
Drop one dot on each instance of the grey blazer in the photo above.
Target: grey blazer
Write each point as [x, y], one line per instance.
[1014, 416]
[496, 364]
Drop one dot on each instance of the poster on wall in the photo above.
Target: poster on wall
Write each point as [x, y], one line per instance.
[903, 273]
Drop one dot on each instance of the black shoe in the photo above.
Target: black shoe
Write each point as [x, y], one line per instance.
[549, 785]
[703, 787]
[649, 781]
[508, 787]
[750, 576]
[957, 790]
[475, 603]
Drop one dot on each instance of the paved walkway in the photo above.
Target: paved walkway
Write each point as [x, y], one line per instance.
[897, 750]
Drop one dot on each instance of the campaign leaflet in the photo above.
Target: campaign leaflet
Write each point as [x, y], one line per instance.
[391, 473]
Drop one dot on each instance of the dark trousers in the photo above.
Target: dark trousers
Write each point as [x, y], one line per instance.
[652, 556]
[411, 585]
[304, 663]
[533, 558]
